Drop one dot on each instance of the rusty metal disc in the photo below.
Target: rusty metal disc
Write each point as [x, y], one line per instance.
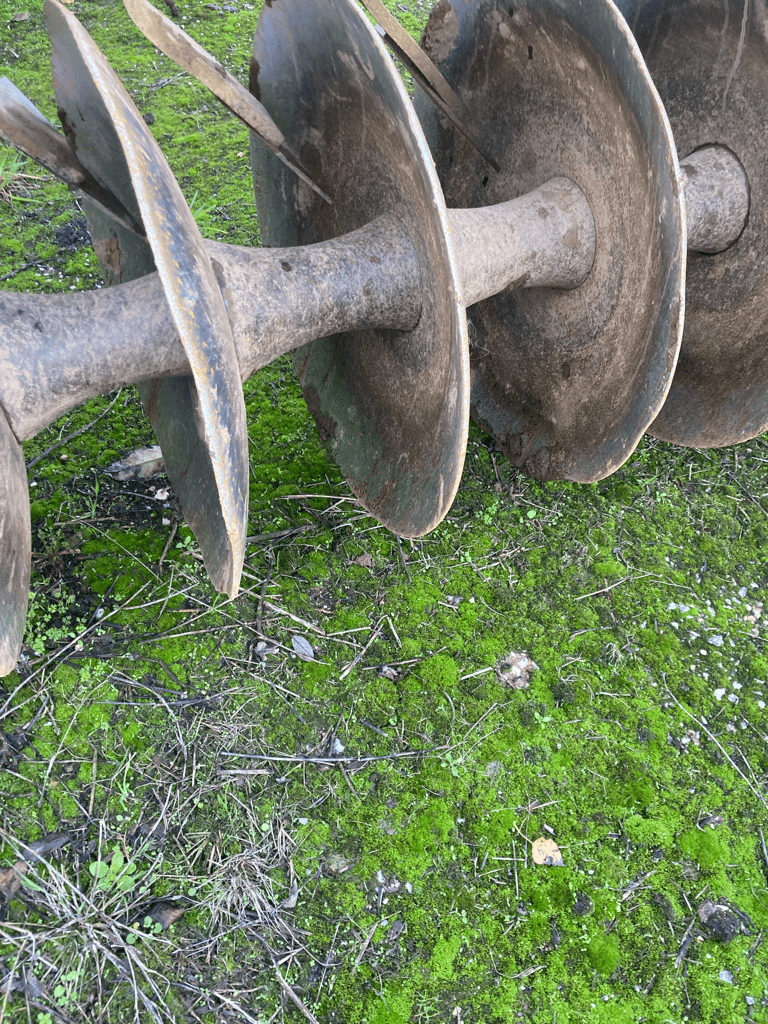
[710, 63]
[199, 420]
[393, 405]
[15, 547]
[566, 381]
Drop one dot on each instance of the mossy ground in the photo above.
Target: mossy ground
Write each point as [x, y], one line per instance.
[391, 788]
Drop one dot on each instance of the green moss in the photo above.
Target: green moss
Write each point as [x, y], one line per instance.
[705, 847]
[603, 953]
[439, 672]
[441, 964]
[166, 706]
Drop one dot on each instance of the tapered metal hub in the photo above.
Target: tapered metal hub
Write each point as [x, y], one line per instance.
[199, 420]
[566, 381]
[393, 405]
[710, 63]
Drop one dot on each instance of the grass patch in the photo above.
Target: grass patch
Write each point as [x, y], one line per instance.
[199, 824]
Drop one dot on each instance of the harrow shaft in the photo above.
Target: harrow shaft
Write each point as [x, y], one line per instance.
[68, 348]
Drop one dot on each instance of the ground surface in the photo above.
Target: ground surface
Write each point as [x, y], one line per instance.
[225, 831]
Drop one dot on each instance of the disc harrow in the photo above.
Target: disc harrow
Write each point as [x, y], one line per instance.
[565, 232]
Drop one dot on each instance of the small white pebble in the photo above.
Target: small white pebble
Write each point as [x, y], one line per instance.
[716, 640]
[720, 693]
[166, 522]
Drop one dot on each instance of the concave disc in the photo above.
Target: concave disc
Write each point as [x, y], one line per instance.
[394, 406]
[15, 547]
[199, 420]
[710, 63]
[566, 381]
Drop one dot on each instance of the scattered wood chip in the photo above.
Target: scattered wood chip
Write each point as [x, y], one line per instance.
[546, 851]
[303, 648]
[20, 16]
[334, 864]
[366, 560]
[142, 464]
[10, 879]
[293, 896]
[515, 670]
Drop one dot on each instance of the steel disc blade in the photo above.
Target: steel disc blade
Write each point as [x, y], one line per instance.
[199, 421]
[710, 63]
[15, 547]
[394, 406]
[566, 381]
